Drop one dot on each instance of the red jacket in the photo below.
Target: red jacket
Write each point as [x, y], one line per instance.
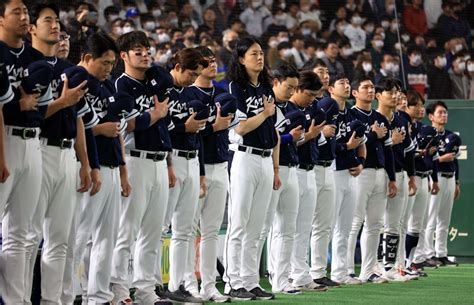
[415, 21]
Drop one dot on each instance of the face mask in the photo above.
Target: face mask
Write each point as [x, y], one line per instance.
[394, 26]
[461, 65]
[273, 44]
[347, 51]
[283, 39]
[71, 14]
[389, 67]
[164, 58]
[256, 4]
[385, 24]
[369, 29]
[127, 29]
[398, 46]
[390, 7]
[153, 51]
[356, 20]
[351, 7]
[156, 13]
[367, 66]
[442, 62]
[470, 68]
[458, 48]
[405, 38]
[150, 25]
[163, 37]
[396, 69]
[174, 22]
[287, 53]
[382, 34]
[113, 17]
[280, 19]
[416, 60]
[63, 15]
[320, 54]
[118, 31]
[305, 8]
[378, 43]
[306, 31]
[467, 58]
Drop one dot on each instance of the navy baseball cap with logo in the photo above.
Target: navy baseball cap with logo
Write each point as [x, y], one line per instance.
[38, 76]
[452, 143]
[121, 106]
[318, 115]
[359, 128]
[227, 103]
[75, 76]
[330, 107]
[161, 81]
[199, 107]
[294, 119]
[427, 137]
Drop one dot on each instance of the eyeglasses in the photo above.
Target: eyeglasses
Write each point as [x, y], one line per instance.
[64, 37]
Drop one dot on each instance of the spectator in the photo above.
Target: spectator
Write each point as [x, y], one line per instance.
[187, 16]
[385, 23]
[116, 29]
[238, 26]
[459, 79]
[110, 14]
[452, 47]
[371, 10]
[369, 28]
[341, 14]
[228, 43]
[415, 72]
[284, 55]
[222, 11]
[389, 68]
[441, 26]
[456, 25]
[306, 29]
[470, 71]
[310, 49]
[438, 78]
[334, 66]
[346, 58]
[128, 26]
[189, 35]
[280, 17]
[415, 18]
[148, 24]
[292, 17]
[433, 11]
[364, 68]
[298, 51]
[257, 17]
[355, 33]
[391, 37]
[338, 33]
[376, 50]
[308, 13]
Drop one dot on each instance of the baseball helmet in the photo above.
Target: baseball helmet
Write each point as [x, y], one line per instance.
[121, 106]
[452, 143]
[294, 119]
[160, 80]
[358, 127]
[330, 107]
[427, 136]
[75, 76]
[199, 107]
[227, 103]
[38, 76]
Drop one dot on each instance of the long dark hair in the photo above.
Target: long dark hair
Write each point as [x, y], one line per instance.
[237, 71]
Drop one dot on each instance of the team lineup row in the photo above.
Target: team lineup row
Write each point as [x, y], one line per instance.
[158, 149]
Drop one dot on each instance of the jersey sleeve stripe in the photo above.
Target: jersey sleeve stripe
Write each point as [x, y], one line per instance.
[7, 97]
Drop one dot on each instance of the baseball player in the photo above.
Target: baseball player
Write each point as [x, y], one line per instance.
[319, 67]
[283, 209]
[372, 185]
[350, 156]
[403, 151]
[309, 86]
[187, 157]
[441, 204]
[22, 117]
[253, 172]
[147, 144]
[210, 211]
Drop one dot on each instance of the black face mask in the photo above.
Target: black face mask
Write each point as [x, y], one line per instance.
[180, 41]
[232, 44]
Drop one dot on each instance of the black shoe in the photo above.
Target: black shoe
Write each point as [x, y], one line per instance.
[327, 282]
[446, 262]
[164, 302]
[417, 266]
[431, 263]
[352, 275]
[261, 294]
[182, 295]
[241, 294]
[161, 292]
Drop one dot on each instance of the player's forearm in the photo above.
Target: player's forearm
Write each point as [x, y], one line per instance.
[80, 145]
[123, 165]
[55, 106]
[250, 124]
[276, 155]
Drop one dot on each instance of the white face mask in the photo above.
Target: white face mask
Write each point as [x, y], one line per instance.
[127, 29]
[442, 62]
[320, 54]
[398, 46]
[461, 65]
[306, 31]
[156, 13]
[287, 53]
[367, 67]
[356, 20]
[378, 43]
[369, 29]
[118, 31]
[416, 60]
[283, 39]
[163, 37]
[385, 24]
[458, 48]
[153, 51]
[149, 25]
[382, 34]
[389, 67]
[394, 26]
[273, 44]
[347, 51]
[63, 15]
[470, 67]
[405, 38]
[396, 68]
[256, 4]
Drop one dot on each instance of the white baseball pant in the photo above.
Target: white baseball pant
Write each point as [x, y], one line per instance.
[343, 215]
[18, 200]
[307, 205]
[182, 204]
[52, 221]
[251, 185]
[439, 217]
[322, 220]
[209, 216]
[281, 219]
[419, 217]
[141, 216]
[371, 199]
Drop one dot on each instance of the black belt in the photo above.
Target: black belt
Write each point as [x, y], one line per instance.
[158, 156]
[24, 133]
[290, 165]
[447, 175]
[264, 153]
[423, 174]
[61, 143]
[188, 154]
[324, 163]
[306, 167]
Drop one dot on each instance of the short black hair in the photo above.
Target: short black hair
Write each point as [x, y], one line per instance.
[413, 97]
[205, 51]
[309, 81]
[111, 10]
[131, 40]
[97, 44]
[431, 108]
[285, 71]
[357, 81]
[337, 77]
[188, 59]
[3, 5]
[36, 10]
[310, 65]
[283, 45]
[414, 48]
[387, 85]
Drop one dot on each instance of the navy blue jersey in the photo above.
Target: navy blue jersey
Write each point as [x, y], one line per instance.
[249, 104]
[216, 144]
[288, 151]
[379, 151]
[345, 159]
[62, 124]
[327, 147]
[307, 152]
[403, 153]
[16, 61]
[144, 137]
[446, 167]
[6, 91]
[423, 163]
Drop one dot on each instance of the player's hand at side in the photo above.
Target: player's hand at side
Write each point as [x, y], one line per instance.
[171, 177]
[161, 108]
[85, 177]
[353, 142]
[28, 102]
[381, 131]
[457, 192]
[268, 106]
[276, 181]
[398, 136]
[96, 181]
[433, 188]
[4, 172]
[297, 133]
[202, 187]
[222, 122]
[125, 184]
[355, 171]
[449, 157]
[192, 125]
[329, 130]
[70, 96]
[108, 129]
[412, 186]
[392, 189]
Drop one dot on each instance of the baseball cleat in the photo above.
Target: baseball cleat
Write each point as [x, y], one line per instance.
[182, 295]
[349, 281]
[241, 294]
[445, 262]
[417, 266]
[432, 262]
[393, 275]
[376, 279]
[312, 287]
[288, 290]
[261, 294]
[325, 281]
[216, 297]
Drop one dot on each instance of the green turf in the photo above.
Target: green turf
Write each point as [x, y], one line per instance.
[444, 286]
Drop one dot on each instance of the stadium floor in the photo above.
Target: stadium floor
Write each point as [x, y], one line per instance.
[444, 286]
